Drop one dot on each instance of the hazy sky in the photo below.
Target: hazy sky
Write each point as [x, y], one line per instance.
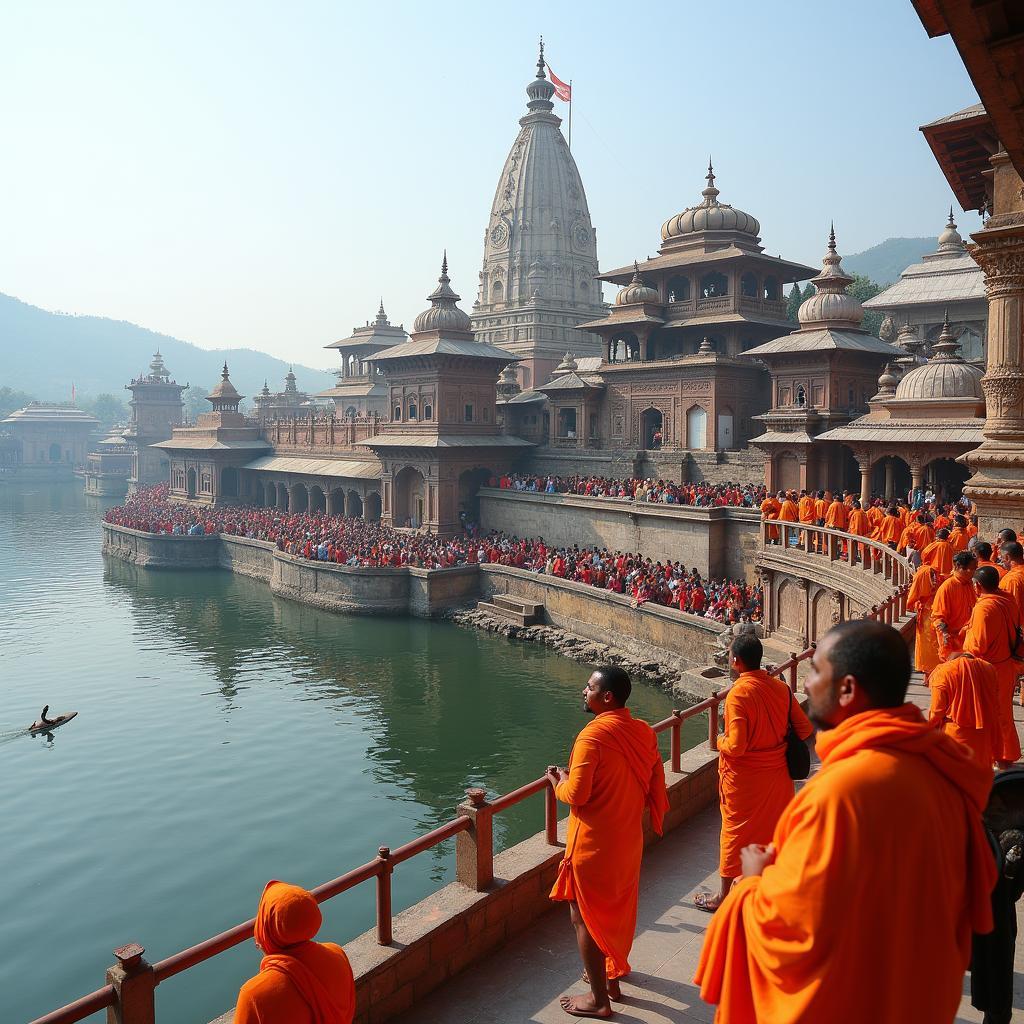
[258, 174]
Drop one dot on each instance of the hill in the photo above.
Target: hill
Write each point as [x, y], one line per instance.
[884, 263]
[43, 353]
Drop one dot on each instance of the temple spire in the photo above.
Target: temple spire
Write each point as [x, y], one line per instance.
[710, 193]
[540, 60]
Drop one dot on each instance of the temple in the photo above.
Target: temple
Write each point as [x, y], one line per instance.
[538, 280]
[46, 441]
[157, 409]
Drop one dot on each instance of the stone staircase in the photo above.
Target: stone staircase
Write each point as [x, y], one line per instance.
[514, 609]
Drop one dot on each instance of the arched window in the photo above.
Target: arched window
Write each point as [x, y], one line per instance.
[801, 397]
[748, 285]
[398, 413]
[428, 411]
[771, 288]
[713, 285]
[678, 289]
[497, 292]
[412, 410]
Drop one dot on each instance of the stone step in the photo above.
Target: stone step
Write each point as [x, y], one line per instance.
[520, 618]
[517, 604]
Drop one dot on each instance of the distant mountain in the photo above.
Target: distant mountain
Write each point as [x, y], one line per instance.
[884, 263]
[43, 353]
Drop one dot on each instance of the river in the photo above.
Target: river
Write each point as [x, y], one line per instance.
[226, 737]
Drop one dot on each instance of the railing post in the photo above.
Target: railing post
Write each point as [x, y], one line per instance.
[550, 816]
[676, 747]
[384, 896]
[792, 671]
[713, 727]
[474, 848]
[134, 986]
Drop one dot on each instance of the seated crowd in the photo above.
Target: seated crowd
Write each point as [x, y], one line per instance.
[701, 495]
[320, 536]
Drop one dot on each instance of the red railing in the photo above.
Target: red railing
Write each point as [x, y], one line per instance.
[474, 855]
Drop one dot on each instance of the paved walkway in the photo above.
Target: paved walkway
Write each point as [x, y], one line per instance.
[523, 981]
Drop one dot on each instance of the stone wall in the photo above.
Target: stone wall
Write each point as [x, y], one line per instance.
[745, 467]
[161, 551]
[455, 927]
[678, 639]
[720, 542]
[247, 557]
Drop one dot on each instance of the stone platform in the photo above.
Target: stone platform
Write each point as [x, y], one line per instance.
[523, 981]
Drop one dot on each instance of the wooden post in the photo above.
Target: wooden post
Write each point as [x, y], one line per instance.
[134, 986]
[675, 747]
[474, 848]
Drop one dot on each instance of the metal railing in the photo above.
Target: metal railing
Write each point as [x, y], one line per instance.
[474, 868]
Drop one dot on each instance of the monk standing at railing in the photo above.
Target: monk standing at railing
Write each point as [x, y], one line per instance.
[862, 907]
[754, 784]
[300, 981]
[921, 599]
[953, 604]
[615, 771]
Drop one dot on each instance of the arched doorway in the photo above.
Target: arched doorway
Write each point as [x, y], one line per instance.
[946, 478]
[372, 508]
[650, 429]
[317, 501]
[298, 498]
[271, 495]
[470, 482]
[190, 482]
[696, 428]
[624, 348]
[787, 472]
[229, 482]
[410, 494]
[890, 478]
[354, 505]
[282, 497]
[336, 502]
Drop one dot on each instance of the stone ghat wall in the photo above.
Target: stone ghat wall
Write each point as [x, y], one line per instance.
[436, 939]
[678, 639]
[720, 542]
[338, 588]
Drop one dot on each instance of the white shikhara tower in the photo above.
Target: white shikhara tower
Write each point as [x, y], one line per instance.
[540, 249]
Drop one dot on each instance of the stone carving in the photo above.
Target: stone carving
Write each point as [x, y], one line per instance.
[1004, 393]
[836, 609]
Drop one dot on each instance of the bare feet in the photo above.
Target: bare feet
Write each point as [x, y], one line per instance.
[584, 1006]
[614, 992]
[707, 902]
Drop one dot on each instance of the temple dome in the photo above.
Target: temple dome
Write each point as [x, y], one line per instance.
[711, 215]
[944, 376]
[636, 290]
[443, 315]
[830, 306]
[950, 240]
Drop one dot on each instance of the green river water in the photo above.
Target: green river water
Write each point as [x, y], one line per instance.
[226, 737]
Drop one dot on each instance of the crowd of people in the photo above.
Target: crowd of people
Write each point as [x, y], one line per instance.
[320, 536]
[668, 492]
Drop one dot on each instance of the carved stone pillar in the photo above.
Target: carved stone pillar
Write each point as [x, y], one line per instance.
[997, 481]
[916, 473]
[889, 468]
[864, 464]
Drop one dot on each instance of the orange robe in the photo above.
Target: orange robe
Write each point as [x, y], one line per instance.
[802, 943]
[964, 702]
[953, 604]
[770, 509]
[939, 555]
[835, 517]
[920, 598]
[615, 771]
[753, 782]
[300, 981]
[889, 529]
[994, 565]
[860, 525]
[959, 539]
[788, 513]
[1013, 584]
[920, 535]
[990, 636]
[805, 509]
[876, 515]
[820, 510]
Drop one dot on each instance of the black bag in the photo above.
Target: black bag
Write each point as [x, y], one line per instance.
[798, 756]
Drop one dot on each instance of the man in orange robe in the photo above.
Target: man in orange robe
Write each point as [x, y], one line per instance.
[753, 781]
[615, 771]
[821, 503]
[770, 509]
[823, 927]
[917, 533]
[939, 554]
[991, 636]
[890, 528]
[835, 517]
[964, 703]
[1012, 581]
[860, 525]
[953, 604]
[959, 538]
[983, 551]
[788, 513]
[300, 981]
[919, 599]
[805, 513]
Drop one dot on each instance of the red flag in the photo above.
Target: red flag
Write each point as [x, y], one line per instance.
[562, 89]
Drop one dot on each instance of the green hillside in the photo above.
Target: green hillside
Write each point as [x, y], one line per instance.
[44, 353]
[883, 263]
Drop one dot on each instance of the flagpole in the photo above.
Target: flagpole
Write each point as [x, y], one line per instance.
[570, 115]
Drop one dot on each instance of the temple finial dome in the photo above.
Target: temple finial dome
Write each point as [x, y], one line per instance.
[950, 240]
[710, 215]
[443, 314]
[830, 306]
[382, 317]
[636, 290]
[540, 90]
[946, 375]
